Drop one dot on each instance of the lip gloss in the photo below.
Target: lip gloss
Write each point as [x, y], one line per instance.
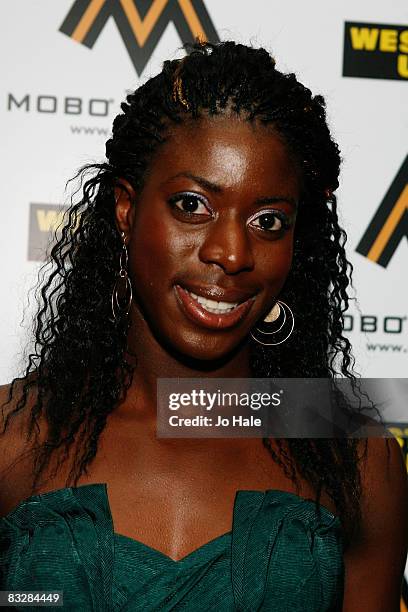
[197, 313]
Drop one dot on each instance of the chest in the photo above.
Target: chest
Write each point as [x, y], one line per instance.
[173, 496]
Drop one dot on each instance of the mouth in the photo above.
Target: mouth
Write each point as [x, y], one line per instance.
[213, 313]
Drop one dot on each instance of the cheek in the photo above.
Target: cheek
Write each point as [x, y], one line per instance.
[274, 261]
[156, 254]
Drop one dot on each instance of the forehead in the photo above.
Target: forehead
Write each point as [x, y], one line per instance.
[229, 151]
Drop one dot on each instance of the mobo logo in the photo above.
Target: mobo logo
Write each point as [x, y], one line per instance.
[371, 324]
[141, 23]
[48, 104]
[390, 223]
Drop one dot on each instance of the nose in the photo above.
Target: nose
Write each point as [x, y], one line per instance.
[227, 245]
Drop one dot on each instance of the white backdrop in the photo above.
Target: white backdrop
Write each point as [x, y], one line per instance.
[40, 150]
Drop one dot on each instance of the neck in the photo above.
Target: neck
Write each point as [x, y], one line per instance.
[153, 361]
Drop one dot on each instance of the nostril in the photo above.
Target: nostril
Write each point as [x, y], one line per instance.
[230, 251]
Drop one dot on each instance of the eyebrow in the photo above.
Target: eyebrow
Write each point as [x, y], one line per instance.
[210, 186]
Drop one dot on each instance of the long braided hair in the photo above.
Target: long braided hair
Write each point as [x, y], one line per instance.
[78, 368]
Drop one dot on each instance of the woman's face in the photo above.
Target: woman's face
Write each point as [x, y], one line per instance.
[211, 234]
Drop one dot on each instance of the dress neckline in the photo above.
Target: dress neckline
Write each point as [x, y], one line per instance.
[102, 487]
[197, 552]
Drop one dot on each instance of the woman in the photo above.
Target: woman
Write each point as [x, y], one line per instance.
[214, 211]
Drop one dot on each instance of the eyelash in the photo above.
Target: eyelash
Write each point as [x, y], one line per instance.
[193, 196]
[277, 214]
[282, 217]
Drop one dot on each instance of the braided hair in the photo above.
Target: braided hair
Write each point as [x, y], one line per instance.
[79, 369]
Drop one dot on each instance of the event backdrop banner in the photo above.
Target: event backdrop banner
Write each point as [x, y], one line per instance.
[67, 66]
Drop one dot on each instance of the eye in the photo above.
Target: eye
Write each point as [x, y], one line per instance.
[190, 204]
[270, 221]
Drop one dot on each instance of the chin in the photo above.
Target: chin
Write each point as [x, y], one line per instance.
[210, 351]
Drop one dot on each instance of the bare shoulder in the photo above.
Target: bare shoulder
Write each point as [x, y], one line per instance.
[381, 547]
[383, 475]
[13, 424]
[15, 455]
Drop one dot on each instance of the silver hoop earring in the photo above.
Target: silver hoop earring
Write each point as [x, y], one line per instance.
[279, 322]
[122, 294]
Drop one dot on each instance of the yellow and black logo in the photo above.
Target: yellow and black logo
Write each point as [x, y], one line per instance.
[45, 219]
[375, 51]
[141, 23]
[390, 223]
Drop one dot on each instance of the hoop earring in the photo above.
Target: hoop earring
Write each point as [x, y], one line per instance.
[279, 320]
[122, 297]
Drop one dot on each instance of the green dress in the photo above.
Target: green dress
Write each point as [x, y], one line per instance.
[280, 556]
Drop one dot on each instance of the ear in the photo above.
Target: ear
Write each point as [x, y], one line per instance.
[125, 197]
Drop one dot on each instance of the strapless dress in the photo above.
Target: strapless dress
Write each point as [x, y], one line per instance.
[279, 556]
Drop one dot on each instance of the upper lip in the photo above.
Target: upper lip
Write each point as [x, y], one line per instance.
[220, 294]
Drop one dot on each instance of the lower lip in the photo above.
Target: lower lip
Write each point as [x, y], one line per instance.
[211, 320]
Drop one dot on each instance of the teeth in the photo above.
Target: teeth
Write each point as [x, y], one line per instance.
[213, 305]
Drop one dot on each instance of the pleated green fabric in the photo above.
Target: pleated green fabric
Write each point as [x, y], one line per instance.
[280, 555]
